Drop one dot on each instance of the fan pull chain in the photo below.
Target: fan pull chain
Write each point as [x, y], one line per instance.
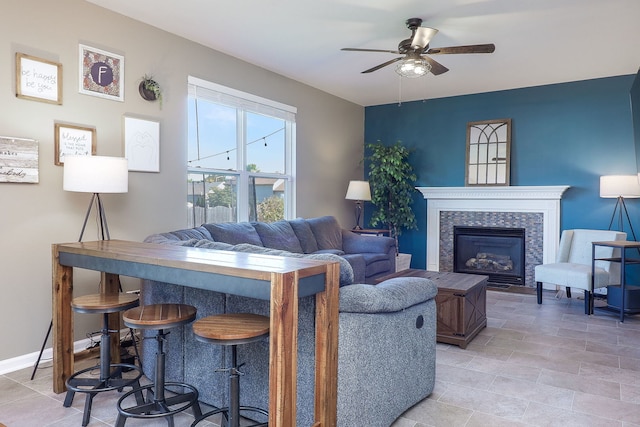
[399, 91]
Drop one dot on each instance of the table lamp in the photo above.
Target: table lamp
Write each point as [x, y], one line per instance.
[358, 191]
[96, 174]
[620, 187]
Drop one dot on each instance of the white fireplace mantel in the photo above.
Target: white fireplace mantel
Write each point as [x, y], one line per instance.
[537, 199]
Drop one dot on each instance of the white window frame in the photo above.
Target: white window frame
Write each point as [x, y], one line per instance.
[246, 102]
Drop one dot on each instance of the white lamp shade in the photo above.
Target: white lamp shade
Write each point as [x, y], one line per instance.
[96, 174]
[358, 190]
[614, 186]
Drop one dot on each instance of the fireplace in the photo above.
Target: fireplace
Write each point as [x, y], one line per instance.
[497, 252]
[534, 208]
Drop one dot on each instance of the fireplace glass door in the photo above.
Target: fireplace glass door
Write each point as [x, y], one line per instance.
[496, 252]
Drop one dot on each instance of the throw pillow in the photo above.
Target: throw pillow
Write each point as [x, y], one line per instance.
[278, 235]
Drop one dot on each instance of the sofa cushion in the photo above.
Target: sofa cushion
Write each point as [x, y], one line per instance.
[278, 235]
[305, 235]
[234, 233]
[389, 296]
[330, 251]
[327, 232]
[197, 233]
[376, 263]
[208, 244]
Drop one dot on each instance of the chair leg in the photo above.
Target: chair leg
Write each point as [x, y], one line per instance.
[568, 292]
[588, 302]
[539, 291]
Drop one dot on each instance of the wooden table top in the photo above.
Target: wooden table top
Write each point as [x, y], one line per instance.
[443, 280]
[240, 264]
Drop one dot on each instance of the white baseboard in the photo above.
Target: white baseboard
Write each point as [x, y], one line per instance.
[28, 360]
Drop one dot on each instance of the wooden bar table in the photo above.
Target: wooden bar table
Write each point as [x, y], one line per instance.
[280, 280]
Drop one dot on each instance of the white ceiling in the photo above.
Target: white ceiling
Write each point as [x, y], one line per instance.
[537, 41]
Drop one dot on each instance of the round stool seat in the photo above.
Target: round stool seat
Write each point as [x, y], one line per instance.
[101, 303]
[159, 316]
[231, 328]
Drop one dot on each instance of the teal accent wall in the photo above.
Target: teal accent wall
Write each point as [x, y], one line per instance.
[562, 134]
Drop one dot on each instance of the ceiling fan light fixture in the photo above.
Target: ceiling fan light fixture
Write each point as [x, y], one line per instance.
[413, 67]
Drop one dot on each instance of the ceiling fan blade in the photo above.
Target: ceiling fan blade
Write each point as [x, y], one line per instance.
[436, 67]
[354, 49]
[422, 37]
[384, 64]
[476, 48]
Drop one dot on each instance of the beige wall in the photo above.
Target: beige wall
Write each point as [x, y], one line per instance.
[33, 216]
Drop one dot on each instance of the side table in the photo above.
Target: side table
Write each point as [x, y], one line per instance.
[623, 246]
[372, 231]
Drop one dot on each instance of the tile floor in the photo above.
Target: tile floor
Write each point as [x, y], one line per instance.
[534, 365]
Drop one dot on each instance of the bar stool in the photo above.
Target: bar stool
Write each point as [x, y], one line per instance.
[110, 373]
[157, 404]
[232, 329]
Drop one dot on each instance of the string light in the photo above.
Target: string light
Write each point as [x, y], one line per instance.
[262, 138]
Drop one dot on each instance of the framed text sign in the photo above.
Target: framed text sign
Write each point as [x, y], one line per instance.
[101, 73]
[71, 140]
[18, 160]
[38, 79]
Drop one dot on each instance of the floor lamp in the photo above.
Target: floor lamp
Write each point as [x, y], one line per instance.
[95, 175]
[358, 191]
[620, 187]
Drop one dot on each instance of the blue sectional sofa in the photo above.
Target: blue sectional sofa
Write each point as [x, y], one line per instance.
[386, 336]
[370, 257]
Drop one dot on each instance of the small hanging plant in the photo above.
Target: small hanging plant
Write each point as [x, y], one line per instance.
[150, 89]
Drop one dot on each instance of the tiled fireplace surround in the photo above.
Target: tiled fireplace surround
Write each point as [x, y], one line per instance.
[534, 208]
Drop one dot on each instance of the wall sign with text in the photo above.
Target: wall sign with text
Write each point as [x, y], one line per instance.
[71, 140]
[101, 73]
[38, 79]
[18, 160]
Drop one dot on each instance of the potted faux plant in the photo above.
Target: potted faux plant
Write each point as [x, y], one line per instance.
[392, 183]
[150, 89]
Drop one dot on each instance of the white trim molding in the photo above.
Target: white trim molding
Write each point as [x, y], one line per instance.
[536, 199]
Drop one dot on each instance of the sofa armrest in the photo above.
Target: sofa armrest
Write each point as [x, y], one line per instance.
[353, 243]
[389, 296]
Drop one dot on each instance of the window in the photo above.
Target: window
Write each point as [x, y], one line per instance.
[240, 156]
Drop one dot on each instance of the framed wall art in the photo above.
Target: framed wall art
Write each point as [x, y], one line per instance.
[101, 73]
[488, 153]
[142, 144]
[38, 79]
[72, 140]
[18, 160]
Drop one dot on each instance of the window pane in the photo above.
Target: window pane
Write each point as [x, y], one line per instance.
[265, 144]
[212, 197]
[212, 142]
[266, 199]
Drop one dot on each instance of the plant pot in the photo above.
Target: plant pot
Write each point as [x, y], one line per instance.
[146, 94]
[403, 262]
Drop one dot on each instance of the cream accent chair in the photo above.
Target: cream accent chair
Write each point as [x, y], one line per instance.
[572, 268]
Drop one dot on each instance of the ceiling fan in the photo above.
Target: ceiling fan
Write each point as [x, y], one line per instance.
[414, 64]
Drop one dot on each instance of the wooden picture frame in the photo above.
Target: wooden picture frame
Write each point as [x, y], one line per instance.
[38, 79]
[141, 143]
[101, 73]
[488, 154]
[73, 140]
[19, 160]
